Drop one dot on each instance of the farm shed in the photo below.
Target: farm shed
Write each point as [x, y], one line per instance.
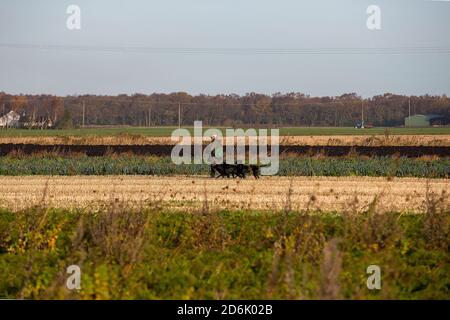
[420, 120]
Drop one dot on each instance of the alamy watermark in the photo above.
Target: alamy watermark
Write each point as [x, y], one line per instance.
[374, 280]
[73, 21]
[234, 142]
[374, 20]
[74, 280]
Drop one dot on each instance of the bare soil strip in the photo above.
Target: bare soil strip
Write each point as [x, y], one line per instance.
[353, 194]
[285, 150]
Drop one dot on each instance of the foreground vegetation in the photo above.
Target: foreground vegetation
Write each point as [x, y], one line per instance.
[152, 253]
[48, 164]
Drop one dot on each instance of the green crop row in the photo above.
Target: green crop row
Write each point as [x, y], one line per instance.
[294, 166]
[379, 166]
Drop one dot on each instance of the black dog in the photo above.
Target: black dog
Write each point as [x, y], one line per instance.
[244, 169]
[235, 170]
[256, 171]
[224, 170]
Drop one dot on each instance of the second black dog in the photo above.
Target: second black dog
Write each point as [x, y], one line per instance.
[235, 170]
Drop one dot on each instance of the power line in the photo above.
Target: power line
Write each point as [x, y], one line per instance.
[235, 51]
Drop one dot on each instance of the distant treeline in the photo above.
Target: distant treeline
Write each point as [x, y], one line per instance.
[292, 109]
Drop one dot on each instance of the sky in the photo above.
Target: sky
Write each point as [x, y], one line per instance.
[127, 47]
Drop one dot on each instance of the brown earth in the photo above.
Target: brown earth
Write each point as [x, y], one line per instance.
[165, 150]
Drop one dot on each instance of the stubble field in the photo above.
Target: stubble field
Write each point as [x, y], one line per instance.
[269, 193]
[289, 140]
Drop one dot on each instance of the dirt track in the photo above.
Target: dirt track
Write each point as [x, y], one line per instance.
[318, 193]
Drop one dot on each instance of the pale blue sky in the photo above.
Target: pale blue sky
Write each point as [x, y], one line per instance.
[275, 24]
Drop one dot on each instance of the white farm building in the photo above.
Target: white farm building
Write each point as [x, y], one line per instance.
[11, 119]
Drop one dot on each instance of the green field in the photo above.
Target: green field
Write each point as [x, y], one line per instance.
[167, 131]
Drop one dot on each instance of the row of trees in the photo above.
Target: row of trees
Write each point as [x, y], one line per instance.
[292, 109]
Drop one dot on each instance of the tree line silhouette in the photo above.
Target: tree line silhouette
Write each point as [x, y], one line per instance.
[252, 109]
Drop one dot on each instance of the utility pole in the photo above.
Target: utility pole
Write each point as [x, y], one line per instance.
[362, 114]
[409, 107]
[84, 112]
[150, 116]
[335, 116]
[179, 115]
[3, 113]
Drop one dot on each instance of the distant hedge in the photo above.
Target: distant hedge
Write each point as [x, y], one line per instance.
[138, 165]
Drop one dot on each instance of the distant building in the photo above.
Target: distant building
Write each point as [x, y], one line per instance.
[428, 120]
[9, 120]
[359, 125]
